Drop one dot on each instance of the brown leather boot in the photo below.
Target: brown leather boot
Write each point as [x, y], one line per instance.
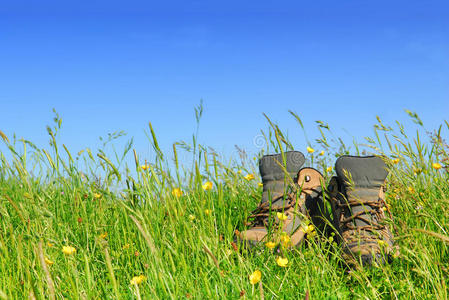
[358, 207]
[290, 195]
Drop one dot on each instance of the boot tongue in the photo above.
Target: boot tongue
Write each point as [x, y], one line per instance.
[273, 176]
[362, 178]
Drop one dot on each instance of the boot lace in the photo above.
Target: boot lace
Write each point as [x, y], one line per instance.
[373, 208]
[261, 215]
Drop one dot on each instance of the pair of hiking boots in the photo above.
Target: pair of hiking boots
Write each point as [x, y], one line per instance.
[293, 205]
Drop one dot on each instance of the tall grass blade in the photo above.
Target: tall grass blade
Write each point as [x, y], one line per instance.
[50, 283]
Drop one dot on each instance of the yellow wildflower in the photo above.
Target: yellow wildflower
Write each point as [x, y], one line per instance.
[207, 186]
[436, 166]
[192, 217]
[145, 167]
[281, 216]
[48, 261]
[384, 208]
[417, 171]
[239, 171]
[322, 153]
[282, 261]
[49, 244]
[97, 195]
[260, 184]
[249, 177]
[285, 240]
[329, 169]
[311, 234]
[126, 246]
[68, 250]
[103, 235]
[395, 161]
[270, 245]
[137, 279]
[310, 228]
[381, 243]
[411, 190]
[255, 277]
[176, 192]
[207, 212]
[310, 150]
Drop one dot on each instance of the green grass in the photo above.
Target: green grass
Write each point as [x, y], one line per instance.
[124, 221]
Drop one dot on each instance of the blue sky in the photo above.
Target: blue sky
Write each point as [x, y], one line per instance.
[108, 66]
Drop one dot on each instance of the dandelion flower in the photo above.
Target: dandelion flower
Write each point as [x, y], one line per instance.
[282, 261]
[49, 244]
[145, 167]
[310, 150]
[281, 216]
[322, 153]
[48, 261]
[255, 277]
[270, 245]
[126, 246]
[207, 212]
[411, 190]
[103, 235]
[68, 250]
[97, 195]
[239, 171]
[137, 280]
[329, 169]
[207, 186]
[436, 166]
[191, 217]
[249, 177]
[176, 192]
[260, 184]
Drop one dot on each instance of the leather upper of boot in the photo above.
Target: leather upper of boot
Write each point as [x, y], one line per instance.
[274, 178]
[361, 179]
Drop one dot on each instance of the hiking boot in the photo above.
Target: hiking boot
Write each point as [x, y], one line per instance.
[289, 195]
[358, 207]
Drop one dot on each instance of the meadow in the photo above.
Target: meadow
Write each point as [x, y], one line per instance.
[91, 225]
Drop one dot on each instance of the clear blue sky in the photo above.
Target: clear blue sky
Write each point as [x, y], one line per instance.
[107, 66]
